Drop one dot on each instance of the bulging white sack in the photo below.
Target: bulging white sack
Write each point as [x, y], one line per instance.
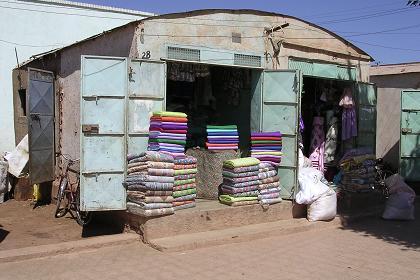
[324, 208]
[310, 185]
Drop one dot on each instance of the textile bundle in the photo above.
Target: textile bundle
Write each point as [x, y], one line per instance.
[184, 190]
[240, 182]
[224, 137]
[168, 133]
[150, 183]
[267, 147]
[269, 187]
[358, 172]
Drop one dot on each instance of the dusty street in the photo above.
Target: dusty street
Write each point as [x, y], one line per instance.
[373, 249]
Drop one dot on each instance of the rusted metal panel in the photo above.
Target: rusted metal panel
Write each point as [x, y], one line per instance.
[40, 108]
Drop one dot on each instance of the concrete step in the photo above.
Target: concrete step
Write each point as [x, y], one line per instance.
[210, 216]
[237, 234]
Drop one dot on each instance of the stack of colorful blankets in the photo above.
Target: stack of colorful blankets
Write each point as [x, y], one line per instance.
[168, 133]
[269, 187]
[267, 146]
[224, 137]
[184, 190]
[358, 173]
[240, 182]
[150, 183]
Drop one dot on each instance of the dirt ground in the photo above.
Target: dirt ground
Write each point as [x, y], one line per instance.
[22, 225]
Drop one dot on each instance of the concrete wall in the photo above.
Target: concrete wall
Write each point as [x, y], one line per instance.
[388, 114]
[37, 26]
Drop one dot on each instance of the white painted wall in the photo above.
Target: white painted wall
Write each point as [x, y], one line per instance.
[34, 27]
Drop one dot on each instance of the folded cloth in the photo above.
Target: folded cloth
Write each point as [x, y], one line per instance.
[232, 126]
[165, 140]
[231, 133]
[177, 138]
[268, 174]
[185, 171]
[138, 210]
[241, 179]
[152, 164]
[250, 193]
[154, 205]
[232, 190]
[138, 197]
[223, 148]
[176, 194]
[266, 148]
[180, 131]
[240, 203]
[223, 137]
[270, 200]
[272, 146]
[228, 173]
[142, 168]
[157, 122]
[268, 196]
[175, 155]
[212, 142]
[168, 126]
[211, 130]
[148, 193]
[222, 145]
[265, 138]
[184, 206]
[149, 178]
[169, 119]
[269, 190]
[243, 169]
[149, 156]
[266, 169]
[170, 114]
[266, 142]
[155, 134]
[242, 184]
[184, 187]
[265, 165]
[185, 197]
[187, 160]
[160, 172]
[270, 153]
[270, 180]
[151, 186]
[185, 166]
[240, 162]
[266, 134]
[179, 203]
[184, 177]
[184, 182]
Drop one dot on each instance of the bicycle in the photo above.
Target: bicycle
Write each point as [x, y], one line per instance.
[383, 171]
[72, 194]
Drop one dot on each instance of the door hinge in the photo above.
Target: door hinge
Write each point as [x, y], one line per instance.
[406, 130]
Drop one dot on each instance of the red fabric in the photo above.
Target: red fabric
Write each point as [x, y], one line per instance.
[221, 145]
[266, 138]
[169, 119]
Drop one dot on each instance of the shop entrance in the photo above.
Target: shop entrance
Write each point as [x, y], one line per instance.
[210, 95]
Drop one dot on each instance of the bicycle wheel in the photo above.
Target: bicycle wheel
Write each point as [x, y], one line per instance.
[83, 217]
[60, 212]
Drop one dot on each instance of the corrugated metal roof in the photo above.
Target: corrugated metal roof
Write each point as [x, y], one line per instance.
[91, 6]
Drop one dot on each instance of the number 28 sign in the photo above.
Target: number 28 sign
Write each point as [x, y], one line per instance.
[145, 55]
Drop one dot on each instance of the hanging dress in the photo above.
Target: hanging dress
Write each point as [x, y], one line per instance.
[331, 140]
[348, 119]
[317, 144]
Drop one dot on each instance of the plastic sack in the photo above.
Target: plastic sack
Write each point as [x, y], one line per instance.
[324, 208]
[396, 184]
[399, 206]
[311, 186]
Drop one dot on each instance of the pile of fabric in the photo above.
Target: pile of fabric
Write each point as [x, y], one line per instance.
[150, 183]
[240, 182]
[357, 171]
[267, 146]
[269, 187]
[224, 137]
[168, 133]
[184, 190]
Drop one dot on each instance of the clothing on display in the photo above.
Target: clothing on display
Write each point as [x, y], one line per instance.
[349, 121]
[268, 193]
[267, 147]
[331, 141]
[317, 144]
[222, 137]
[184, 190]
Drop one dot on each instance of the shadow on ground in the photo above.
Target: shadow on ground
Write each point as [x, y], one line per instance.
[405, 234]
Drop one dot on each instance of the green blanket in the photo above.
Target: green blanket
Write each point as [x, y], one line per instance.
[184, 182]
[230, 199]
[170, 114]
[171, 141]
[185, 171]
[183, 193]
[240, 162]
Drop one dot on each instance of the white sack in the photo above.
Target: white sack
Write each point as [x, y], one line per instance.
[18, 158]
[310, 185]
[324, 208]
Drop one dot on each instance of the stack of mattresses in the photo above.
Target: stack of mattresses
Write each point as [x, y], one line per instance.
[150, 183]
[222, 137]
[168, 133]
[184, 190]
[240, 182]
[267, 146]
[269, 187]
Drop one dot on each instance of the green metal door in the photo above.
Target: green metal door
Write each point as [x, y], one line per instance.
[275, 107]
[366, 115]
[410, 135]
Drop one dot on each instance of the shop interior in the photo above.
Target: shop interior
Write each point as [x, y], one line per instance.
[210, 95]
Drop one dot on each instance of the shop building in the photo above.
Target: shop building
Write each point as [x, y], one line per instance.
[258, 70]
